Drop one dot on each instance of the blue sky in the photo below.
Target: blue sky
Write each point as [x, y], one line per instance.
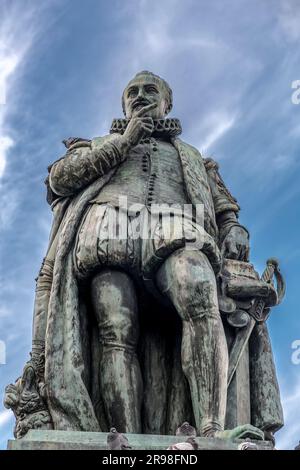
[231, 63]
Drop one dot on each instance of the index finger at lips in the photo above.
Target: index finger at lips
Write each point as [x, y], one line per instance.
[145, 109]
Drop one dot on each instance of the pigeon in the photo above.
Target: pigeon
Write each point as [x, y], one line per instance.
[189, 444]
[297, 447]
[269, 436]
[247, 446]
[117, 441]
[75, 140]
[186, 430]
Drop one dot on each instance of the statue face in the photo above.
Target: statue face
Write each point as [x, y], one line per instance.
[142, 91]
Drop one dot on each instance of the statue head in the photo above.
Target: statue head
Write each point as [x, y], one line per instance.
[146, 88]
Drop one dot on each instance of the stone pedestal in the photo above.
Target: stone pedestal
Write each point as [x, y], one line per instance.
[70, 440]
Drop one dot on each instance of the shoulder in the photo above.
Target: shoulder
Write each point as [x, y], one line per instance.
[185, 147]
[211, 164]
[73, 143]
[70, 144]
[73, 146]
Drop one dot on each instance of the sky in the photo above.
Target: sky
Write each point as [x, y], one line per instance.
[231, 65]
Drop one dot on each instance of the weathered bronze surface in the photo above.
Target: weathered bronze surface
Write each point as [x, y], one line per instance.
[143, 333]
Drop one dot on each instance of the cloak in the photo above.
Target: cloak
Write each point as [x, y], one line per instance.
[72, 353]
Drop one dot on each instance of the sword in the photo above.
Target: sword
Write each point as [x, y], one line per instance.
[257, 313]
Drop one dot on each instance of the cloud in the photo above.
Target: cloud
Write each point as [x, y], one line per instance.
[219, 124]
[15, 41]
[5, 144]
[283, 162]
[289, 19]
[4, 311]
[156, 26]
[5, 417]
[8, 64]
[17, 32]
[10, 199]
[20, 25]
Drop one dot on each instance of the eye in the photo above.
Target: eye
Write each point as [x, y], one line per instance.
[132, 92]
[151, 89]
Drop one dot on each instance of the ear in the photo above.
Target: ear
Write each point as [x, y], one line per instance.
[123, 105]
[168, 108]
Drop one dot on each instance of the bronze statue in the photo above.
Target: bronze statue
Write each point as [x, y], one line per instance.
[135, 332]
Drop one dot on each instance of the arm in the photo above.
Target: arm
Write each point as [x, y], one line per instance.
[85, 161]
[233, 237]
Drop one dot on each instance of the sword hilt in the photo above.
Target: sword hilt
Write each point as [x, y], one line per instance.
[272, 266]
[259, 311]
[271, 270]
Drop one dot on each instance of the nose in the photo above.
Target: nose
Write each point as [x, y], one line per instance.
[141, 93]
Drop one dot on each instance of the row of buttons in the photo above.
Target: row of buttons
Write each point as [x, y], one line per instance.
[145, 161]
[151, 187]
[145, 167]
[152, 176]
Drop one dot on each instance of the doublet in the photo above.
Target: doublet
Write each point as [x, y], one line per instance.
[150, 178]
[160, 170]
[151, 174]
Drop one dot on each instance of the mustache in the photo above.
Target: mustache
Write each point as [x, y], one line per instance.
[140, 102]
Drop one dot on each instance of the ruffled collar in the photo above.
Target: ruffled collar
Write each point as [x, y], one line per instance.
[169, 127]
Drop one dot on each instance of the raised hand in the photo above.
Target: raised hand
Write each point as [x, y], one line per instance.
[139, 125]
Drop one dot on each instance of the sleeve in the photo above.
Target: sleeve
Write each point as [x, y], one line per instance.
[84, 162]
[222, 198]
[226, 206]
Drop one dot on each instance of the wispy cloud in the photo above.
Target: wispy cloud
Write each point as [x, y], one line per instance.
[6, 425]
[219, 124]
[289, 19]
[8, 64]
[16, 34]
[10, 201]
[20, 25]
[156, 25]
[5, 417]
[5, 144]
[283, 161]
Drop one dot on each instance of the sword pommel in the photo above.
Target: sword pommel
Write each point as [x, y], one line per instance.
[273, 262]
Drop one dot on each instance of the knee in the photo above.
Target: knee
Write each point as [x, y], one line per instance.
[186, 271]
[115, 305]
[187, 278]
